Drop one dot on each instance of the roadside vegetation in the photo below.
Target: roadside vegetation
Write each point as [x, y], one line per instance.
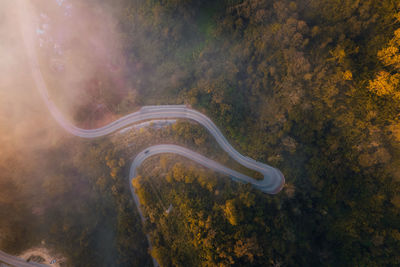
[311, 87]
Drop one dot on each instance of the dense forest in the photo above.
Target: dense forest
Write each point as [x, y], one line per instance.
[311, 87]
[73, 208]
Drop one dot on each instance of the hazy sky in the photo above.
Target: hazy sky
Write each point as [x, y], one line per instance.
[76, 42]
[22, 116]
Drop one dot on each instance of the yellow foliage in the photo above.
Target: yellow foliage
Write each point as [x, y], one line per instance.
[136, 183]
[347, 75]
[232, 214]
[121, 162]
[397, 16]
[396, 39]
[249, 248]
[178, 172]
[169, 178]
[307, 76]
[338, 54]
[164, 162]
[189, 179]
[384, 83]
[390, 56]
[293, 6]
[395, 129]
[275, 27]
[114, 172]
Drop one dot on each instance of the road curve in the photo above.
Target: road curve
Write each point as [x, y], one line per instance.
[15, 261]
[273, 179]
[262, 185]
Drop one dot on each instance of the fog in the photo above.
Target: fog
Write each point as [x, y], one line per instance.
[68, 63]
[80, 56]
[76, 55]
[78, 50]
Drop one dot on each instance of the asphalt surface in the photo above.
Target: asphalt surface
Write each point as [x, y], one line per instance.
[263, 185]
[17, 262]
[273, 179]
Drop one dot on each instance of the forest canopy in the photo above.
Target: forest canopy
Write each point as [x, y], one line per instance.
[311, 87]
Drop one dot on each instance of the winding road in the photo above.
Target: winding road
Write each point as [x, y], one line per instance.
[18, 262]
[273, 179]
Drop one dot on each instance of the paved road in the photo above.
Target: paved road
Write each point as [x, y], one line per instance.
[14, 261]
[263, 185]
[273, 179]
